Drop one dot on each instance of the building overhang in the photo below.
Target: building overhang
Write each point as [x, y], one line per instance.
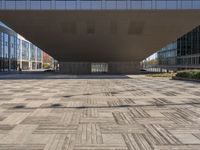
[101, 35]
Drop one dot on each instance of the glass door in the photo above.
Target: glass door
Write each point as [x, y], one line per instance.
[99, 68]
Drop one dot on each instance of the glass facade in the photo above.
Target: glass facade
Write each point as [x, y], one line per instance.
[8, 50]
[16, 52]
[184, 53]
[30, 56]
[39, 58]
[167, 55]
[99, 67]
[188, 48]
[25, 50]
[32, 52]
[99, 4]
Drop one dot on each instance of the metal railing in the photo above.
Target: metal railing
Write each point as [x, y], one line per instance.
[98, 4]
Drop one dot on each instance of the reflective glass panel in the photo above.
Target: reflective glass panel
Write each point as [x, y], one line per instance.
[71, 4]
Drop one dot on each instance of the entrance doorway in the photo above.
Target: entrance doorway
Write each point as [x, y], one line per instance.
[99, 68]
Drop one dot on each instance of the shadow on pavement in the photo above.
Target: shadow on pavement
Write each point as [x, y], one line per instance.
[57, 105]
[54, 75]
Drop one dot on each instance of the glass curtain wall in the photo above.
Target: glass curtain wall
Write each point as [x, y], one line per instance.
[1, 51]
[188, 48]
[19, 52]
[25, 55]
[99, 67]
[99, 4]
[33, 56]
[39, 58]
[167, 55]
[5, 53]
[16, 52]
[8, 50]
[184, 53]
[13, 53]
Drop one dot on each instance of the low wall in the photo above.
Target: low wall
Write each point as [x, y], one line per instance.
[113, 67]
[75, 67]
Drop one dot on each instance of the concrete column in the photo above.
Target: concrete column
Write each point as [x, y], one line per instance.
[123, 67]
[75, 67]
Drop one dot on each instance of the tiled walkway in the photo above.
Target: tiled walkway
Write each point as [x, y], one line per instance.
[136, 113]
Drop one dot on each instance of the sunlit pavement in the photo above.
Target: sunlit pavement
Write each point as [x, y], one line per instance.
[98, 113]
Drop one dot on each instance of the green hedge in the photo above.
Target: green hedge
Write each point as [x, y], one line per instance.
[189, 74]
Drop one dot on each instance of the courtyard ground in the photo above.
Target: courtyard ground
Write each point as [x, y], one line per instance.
[98, 113]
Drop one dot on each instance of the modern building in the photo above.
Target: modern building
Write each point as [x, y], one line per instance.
[49, 62]
[29, 56]
[184, 53]
[8, 49]
[117, 34]
[188, 50]
[16, 52]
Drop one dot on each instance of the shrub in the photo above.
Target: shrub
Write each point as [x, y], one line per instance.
[189, 74]
[196, 75]
[183, 74]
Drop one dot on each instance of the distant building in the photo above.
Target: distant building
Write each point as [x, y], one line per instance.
[17, 53]
[29, 57]
[184, 53]
[48, 61]
[8, 49]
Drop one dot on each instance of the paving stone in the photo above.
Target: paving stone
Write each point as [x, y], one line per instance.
[132, 113]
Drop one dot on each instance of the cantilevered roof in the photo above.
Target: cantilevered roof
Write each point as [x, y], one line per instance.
[100, 30]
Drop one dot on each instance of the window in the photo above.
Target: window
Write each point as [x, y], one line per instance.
[12, 48]
[99, 67]
[71, 4]
[25, 50]
[161, 4]
[39, 54]
[199, 60]
[85, 4]
[1, 45]
[10, 4]
[196, 4]
[97, 4]
[136, 4]
[110, 4]
[147, 4]
[18, 49]
[122, 4]
[172, 4]
[35, 4]
[46, 4]
[33, 52]
[186, 4]
[6, 45]
[60, 4]
[21, 4]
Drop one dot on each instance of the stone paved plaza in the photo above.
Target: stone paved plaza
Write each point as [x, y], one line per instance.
[93, 113]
